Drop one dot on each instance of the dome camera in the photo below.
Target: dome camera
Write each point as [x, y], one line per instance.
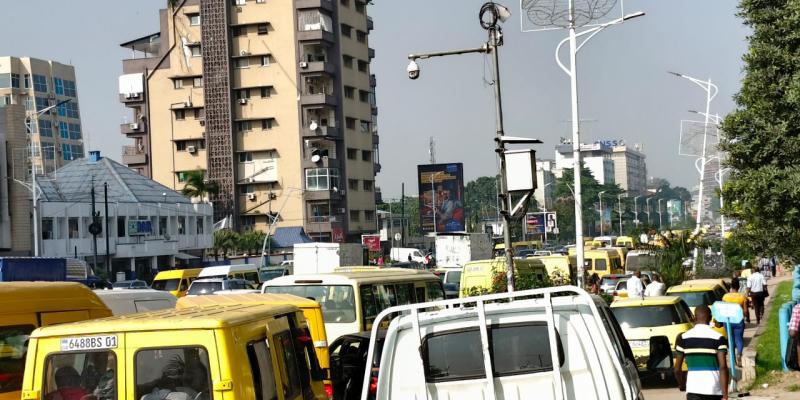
[413, 70]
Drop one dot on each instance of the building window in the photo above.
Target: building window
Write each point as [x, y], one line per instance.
[180, 145]
[42, 103]
[47, 229]
[368, 186]
[352, 184]
[365, 126]
[241, 63]
[73, 228]
[352, 154]
[245, 157]
[360, 7]
[246, 189]
[243, 94]
[74, 131]
[369, 215]
[347, 30]
[266, 124]
[121, 227]
[194, 19]
[238, 31]
[197, 51]
[72, 110]
[265, 92]
[26, 81]
[349, 92]
[361, 36]
[350, 123]
[40, 83]
[363, 66]
[265, 60]
[45, 128]
[59, 86]
[198, 113]
[69, 89]
[63, 130]
[320, 212]
[355, 215]
[322, 179]
[66, 152]
[197, 82]
[247, 222]
[262, 29]
[347, 61]
[243, 126]
[363, 95]
[49, 151]
[239, 2]
[366, 155]
[177, 83]
[180, 115]
[77, 151]
[313, 20]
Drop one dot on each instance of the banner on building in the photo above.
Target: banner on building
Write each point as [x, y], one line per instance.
[441, 197]
[371, 242]
[139, 226]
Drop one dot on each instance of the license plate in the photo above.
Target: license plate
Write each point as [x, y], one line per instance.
[638, 344]
[89, 343]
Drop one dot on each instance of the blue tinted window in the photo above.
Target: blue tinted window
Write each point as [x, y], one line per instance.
[39, 83]
[59, 86]
[77, 151]
[15, 81]
[48, 151]
[66, 151]
[74, 131]
[62, 110]
[45, 128]
[69, 89]
[28, 104]
[72, 110]
[63, 130]
[42, 103]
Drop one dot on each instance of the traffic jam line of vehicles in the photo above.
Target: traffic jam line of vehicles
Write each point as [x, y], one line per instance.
[345, 333]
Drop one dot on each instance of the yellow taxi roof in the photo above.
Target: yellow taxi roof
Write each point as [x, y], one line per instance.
[246, 298]
[716, 282]
[211, 317]
[645, 301]
[28, 297]
[178, 273]
[694, 287]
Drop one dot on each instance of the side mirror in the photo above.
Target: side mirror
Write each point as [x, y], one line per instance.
[660, 359]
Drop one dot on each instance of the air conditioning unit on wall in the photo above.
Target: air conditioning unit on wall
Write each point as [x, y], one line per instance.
[191, 149]
[251, 196]
[242, 101]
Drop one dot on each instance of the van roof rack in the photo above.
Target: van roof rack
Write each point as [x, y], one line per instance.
[480, 306]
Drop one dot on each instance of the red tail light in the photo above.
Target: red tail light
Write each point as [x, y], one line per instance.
[373, 385]
[329, 390]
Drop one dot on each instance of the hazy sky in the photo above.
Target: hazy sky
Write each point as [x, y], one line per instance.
[624, 89]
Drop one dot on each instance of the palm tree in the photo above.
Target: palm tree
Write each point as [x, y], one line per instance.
[224, 240]
[197, 185]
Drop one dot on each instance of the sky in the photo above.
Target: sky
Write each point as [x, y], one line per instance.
[624, 90]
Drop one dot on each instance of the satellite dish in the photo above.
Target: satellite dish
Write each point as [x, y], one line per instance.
[398, 237]
[313, 126]
[315, 158]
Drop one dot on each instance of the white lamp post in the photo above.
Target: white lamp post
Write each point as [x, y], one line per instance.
[636, 210]
[600, 196]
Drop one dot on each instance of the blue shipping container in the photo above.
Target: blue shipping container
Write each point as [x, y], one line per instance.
[32, 269]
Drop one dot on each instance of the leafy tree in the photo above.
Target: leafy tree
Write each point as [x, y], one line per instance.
[196, 185]
[250, 242]
[762, 136]
[480, 201]
[411, 213]
[224, 241]
[590, 189]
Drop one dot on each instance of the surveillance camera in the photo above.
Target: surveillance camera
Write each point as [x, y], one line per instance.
[413, 70]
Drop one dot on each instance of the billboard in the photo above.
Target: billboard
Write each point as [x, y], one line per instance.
[540, 223]
[371, 242]
[441, 197]
[675, 209]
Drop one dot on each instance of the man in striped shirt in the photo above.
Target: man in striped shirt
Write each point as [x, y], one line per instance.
[704, 351]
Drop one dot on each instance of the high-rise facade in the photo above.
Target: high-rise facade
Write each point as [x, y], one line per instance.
[274, 100]
[630, 169]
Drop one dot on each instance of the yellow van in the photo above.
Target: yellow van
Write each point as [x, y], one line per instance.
[175, 281]
[601, 262]
[702, 291]
[310, 308]
[29, 305]
[478, 276]
[626, 241]
[215, 352]
[559, 268]
[643, 318]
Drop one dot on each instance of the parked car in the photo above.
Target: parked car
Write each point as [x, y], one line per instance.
[132, 284]
[212, 285]
[451, 280]
[558, 339]
[609, 282]
[348, 356]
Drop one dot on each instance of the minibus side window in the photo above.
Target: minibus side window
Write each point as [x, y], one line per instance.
[263, 372]
[420, 294]
[600, 265]
[285, 350]
[184, 286]
[405, 293]
[75, 375]
[14, 345]
[161, 371]
[435, 291]
[368, 307]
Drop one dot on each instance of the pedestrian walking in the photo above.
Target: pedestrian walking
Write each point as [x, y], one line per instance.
[733, 296]
[794, 327]
[704, 351]
[757, 290]
[655, 288]
[634, 285]
[763, 265]
[774, 266]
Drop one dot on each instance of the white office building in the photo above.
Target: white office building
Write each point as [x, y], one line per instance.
[597, 157]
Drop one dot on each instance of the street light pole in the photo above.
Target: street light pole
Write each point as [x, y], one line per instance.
[660, 222]
[636, 210]
[647, 201]
[619, 199]
[600, 195]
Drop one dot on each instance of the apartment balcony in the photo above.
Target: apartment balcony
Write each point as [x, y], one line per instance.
[133, 128]
[375, 139]
[377, 167]
[371, 53]
[319, 224]
[312, 195]
[323, 131]
[370, 24]
[321, 4]
[319, 99]
[317, 67]
[324, 162]
[316, 35]
[372, 81]
[131, 98]
[374, 110]
[133, 155]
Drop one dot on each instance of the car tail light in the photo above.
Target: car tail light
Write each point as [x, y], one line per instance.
[329, 390]
[373, 385]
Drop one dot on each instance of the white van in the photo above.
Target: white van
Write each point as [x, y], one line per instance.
[449, 353]
[402, 254]
[248, 272]
[129, 301]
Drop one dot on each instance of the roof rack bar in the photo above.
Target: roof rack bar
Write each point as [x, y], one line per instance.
[551, 335]
[415, 323]
[487, 356]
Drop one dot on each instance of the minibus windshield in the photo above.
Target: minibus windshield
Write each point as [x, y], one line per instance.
[166, 284]
[337, 301]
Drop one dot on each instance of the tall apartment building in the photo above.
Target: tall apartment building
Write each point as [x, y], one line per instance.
[630, 169]
[273, 99]
[596, 157]
[28, 86]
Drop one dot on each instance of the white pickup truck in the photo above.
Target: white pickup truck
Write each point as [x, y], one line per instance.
[502, 346]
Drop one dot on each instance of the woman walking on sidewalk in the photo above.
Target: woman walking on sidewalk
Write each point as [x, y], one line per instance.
[738, 329]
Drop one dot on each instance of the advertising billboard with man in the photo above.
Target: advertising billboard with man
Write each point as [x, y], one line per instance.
[441, 197]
